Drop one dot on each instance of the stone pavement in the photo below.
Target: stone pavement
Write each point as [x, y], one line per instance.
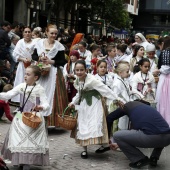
[65, 154]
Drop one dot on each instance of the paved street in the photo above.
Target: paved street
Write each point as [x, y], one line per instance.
[65, 154]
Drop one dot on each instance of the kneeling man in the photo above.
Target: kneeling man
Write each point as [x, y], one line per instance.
[148, 130]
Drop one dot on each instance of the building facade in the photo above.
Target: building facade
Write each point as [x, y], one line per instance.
[27, 12]
[154, 16]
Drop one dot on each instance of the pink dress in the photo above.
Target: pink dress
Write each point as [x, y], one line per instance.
[163, 96]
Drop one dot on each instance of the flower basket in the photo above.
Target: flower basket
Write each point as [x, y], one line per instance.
[45, 68]
[67, 121]
[30, 119]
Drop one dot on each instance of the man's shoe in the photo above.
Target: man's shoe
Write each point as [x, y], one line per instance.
[140, 163]
[153, 161]
[102, 149]
[84, 155]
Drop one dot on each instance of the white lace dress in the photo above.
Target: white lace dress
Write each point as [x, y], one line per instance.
[24, 145]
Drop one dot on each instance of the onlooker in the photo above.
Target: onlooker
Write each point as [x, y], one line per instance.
[5, 73]
[141, 40]
[129, 50]
[4, 40]
[14, 30]
[14, 39]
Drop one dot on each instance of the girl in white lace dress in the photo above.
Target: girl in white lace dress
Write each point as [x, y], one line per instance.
[24, 145]
[91, 123]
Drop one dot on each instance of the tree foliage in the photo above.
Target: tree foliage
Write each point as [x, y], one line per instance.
[112, 11]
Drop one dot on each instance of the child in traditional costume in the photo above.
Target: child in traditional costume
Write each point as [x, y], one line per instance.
[121, 87]
[24, 145]
[110, 59]
[93, 69]
[102, 74]
[107, 80]
[91, 123]
[143, 82]
[150, 53]
[68, 73]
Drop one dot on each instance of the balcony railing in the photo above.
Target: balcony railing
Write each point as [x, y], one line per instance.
[130, 9]
[161, 23]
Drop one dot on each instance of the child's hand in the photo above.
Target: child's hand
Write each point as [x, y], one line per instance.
[150, 90]
[38, 108]
[70, 75]
[120, 104]
[26, 60]
[156, 72]
[71, 105]
[113, 146]
[45, 60]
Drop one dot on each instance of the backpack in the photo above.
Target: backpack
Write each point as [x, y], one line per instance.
[3, 165]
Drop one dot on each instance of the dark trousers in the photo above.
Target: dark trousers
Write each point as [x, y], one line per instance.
[130, 140]
[110, 118]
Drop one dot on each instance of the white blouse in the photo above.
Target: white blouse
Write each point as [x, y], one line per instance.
[38, 91]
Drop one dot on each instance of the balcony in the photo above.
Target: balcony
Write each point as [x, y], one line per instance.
[165, 24]
[131, 9]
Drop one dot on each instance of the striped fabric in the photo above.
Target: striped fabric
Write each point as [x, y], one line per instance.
[60, 100]
[94, 141]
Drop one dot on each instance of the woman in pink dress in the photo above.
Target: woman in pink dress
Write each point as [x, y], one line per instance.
[163, 90]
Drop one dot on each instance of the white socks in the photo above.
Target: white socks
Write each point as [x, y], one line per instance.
[85, 148]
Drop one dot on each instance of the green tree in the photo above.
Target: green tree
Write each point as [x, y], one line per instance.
[112, 11]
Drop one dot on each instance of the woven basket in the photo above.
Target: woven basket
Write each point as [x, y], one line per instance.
[156, 79]
[31, 120]
[66, 121]
[45, 68]
[27, 64]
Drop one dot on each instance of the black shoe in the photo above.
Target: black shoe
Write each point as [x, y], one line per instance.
[102, 149]
[140, 163]
[84, 155]
[153, 161]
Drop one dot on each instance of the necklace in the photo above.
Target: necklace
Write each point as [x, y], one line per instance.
[126, 87]
[25, 100]
[81, 87]
[104, 79]
[144, 79]
[151, 61]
